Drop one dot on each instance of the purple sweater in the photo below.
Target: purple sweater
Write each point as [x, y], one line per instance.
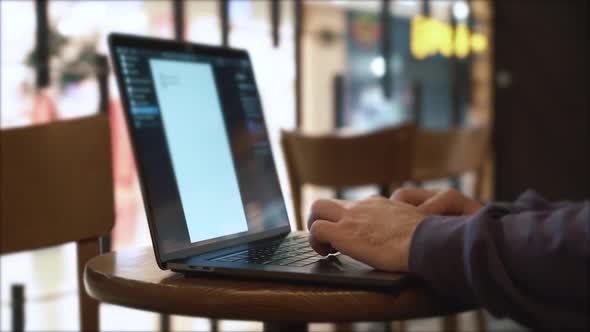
[529, 261]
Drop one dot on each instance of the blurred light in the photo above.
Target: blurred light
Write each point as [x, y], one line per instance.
[460, 10]
[240, 11]
[429, 36]
[418, 37]
[406, 3]
[462, 40]
[446, 42]
[378, 66]
[130, 20]
[17, 24]
[205, 30]
[84, 18]
[479, 42]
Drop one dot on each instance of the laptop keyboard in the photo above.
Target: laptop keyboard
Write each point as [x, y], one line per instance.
[292, 251]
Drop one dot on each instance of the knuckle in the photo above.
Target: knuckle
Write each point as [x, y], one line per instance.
[350, 225]
[452, 193]
[310, 220]
[315, 229]
[314, 211]
[400, 194]
[375, 198]
[317, 205]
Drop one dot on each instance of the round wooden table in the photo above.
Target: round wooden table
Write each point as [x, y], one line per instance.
[132, 279]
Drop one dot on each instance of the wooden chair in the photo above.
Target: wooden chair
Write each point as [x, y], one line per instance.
[381, 158]
[445, 153]
[448, 153]
[56, 186]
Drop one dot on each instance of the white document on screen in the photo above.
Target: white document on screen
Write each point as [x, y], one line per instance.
[199, 148]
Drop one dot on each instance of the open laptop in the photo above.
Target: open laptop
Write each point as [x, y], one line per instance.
[210, 188]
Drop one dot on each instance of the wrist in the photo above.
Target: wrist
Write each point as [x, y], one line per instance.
[407, 244]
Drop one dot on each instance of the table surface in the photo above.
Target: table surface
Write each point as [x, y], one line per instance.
[132, 278]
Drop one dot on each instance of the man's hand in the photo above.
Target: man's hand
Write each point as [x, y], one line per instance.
[376, 231]
[444, 202]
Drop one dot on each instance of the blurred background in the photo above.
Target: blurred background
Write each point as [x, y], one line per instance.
[519, 67]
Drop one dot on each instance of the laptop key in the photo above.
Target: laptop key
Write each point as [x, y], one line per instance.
[281, 261]
[305, 263]
[288, 261]
[293, 251]
[297, 264]
[279, 257]
[298, 258]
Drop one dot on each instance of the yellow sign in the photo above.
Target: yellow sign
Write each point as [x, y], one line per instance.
[430, 36]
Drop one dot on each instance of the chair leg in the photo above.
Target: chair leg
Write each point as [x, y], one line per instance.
[388, 326]
[18, 307]
[343, 327]
[88, 306]
[105, 243]
[456, 183]
[164, 323]
[481, 320]
[384, 191]
[450, 323]
[399, 326]
[214, 325]
[285, 327]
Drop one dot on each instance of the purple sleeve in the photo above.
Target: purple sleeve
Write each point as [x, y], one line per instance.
[529, 261]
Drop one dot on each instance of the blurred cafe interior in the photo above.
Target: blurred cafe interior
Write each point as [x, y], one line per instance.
[499, 90]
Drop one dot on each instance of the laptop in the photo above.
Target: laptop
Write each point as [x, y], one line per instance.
[210, 187]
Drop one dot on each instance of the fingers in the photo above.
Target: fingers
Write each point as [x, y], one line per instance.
[447, 202]
[321, 236]
[322, 224]
[413, 196]
[326, 209]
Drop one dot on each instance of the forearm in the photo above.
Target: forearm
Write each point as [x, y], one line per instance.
[530, 266]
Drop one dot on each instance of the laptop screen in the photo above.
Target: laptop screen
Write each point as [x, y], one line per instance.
[201, 145]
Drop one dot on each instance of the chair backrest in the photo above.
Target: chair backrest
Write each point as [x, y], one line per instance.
[444, 153]
[56, 186]
[382, 157]
[56, 183]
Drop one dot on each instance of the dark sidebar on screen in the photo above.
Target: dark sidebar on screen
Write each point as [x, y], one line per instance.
[259, 187]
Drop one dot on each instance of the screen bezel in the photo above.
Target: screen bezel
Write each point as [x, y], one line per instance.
[123, 40]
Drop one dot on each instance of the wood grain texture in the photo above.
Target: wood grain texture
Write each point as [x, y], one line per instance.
[132, 278]
[56, 183]
[444, 153]
[56, 186]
